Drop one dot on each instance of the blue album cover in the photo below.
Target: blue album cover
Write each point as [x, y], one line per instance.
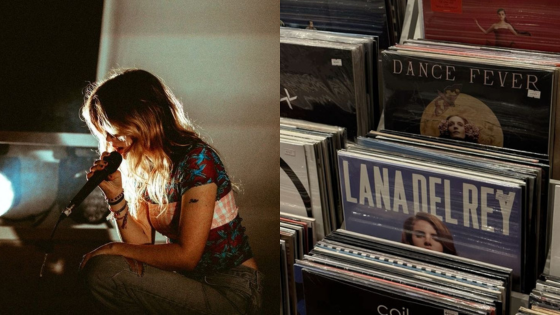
[453, 213]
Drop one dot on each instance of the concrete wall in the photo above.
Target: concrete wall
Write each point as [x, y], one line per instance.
[221, 58]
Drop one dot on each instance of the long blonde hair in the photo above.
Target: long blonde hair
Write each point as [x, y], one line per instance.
[136, 104]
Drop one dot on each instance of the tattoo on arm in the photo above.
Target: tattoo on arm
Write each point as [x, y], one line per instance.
[193, 201]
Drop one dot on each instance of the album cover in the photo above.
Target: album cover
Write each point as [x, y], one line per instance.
[467, 100]
[471, 216]
[370, 65]
[330, 293]
[294, 184]
[323, 82]
[502, 23]
[346, 16]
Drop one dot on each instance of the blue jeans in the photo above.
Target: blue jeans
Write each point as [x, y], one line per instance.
[156, 291]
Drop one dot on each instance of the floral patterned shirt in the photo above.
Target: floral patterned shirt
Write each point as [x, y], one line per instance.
[227, 245]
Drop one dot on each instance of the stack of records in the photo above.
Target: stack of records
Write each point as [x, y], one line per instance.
[469, 204]
[366, 17]
[296, 240]
[545, 298]
[308, 173]
[498, 100]
[350, 273]
[501, 23]
[369, 115]
[325, 82]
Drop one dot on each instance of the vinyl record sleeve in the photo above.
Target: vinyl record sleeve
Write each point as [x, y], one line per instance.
[323, 201]
[285, 295]
[525, 25]
[456, 292]
[370, 65]
[324, 156]
[290, 244]
[461, 264]
[325, 294]
[476, 218]
[307, 233]
[469, 100]
[309, 222]
[406, 267]
[294, 184]
[555, 229]
[323, 82]
[300, 237]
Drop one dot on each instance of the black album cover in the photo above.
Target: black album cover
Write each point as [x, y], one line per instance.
[468, 101]
[322, 82]
[329, 294]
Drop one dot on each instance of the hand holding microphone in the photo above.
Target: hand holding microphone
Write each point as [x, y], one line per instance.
[100, 172]
[112, 183]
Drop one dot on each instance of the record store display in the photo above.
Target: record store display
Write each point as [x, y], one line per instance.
[503, 23]
[421, 177]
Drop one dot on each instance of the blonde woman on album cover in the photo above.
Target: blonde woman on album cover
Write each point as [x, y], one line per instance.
[173, 182]
[427, 231]
[501, 29]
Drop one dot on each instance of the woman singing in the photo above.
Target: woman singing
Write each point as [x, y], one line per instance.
[173, 182]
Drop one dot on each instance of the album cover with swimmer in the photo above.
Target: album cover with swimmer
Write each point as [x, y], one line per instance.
[467, 100]
[471, 216]
[501, 23]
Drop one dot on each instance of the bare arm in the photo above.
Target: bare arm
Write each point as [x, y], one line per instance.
[136, 231]
[512, 29]
[194, 226]
[482, 29]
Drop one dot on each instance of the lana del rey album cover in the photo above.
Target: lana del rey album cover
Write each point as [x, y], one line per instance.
[468, 215]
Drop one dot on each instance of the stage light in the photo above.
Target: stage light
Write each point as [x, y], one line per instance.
[6, 194]
[10, 183]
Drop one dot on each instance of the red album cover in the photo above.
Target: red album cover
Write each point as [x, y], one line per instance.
[504, 23]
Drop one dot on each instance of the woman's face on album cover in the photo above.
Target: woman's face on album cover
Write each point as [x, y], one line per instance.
[456, 127]
[424, 235]
[502, 15]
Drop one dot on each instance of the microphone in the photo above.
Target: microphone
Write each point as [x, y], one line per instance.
[114, 160]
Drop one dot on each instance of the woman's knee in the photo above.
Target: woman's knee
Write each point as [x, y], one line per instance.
[99, 270]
